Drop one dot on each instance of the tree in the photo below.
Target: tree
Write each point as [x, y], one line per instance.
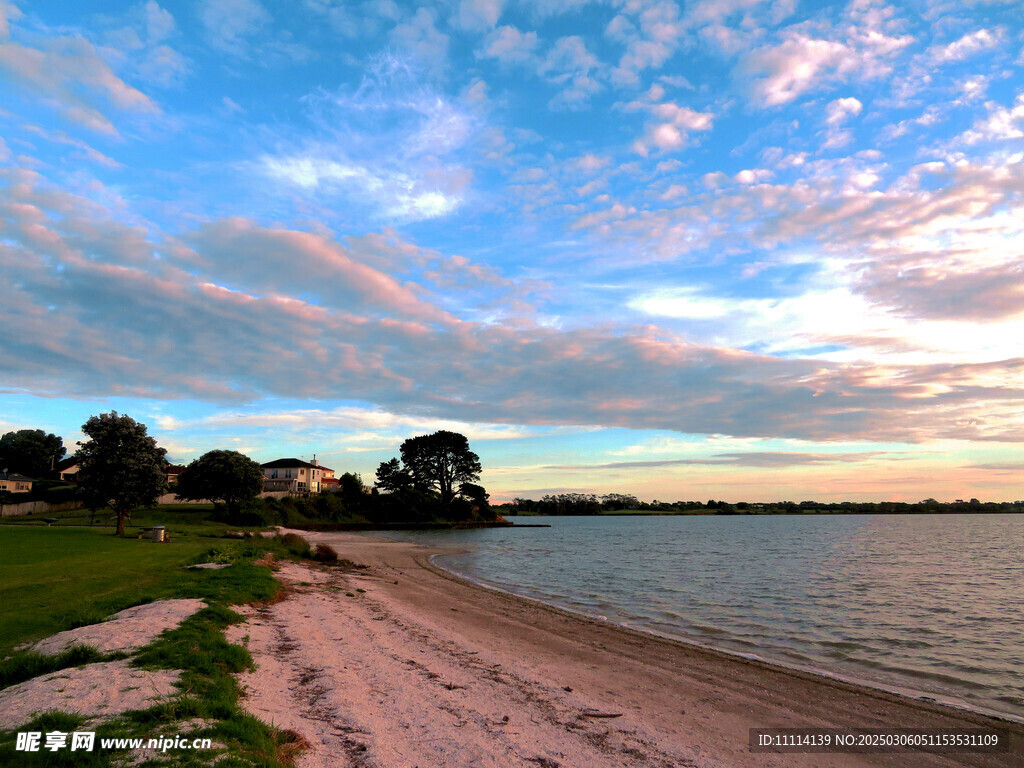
[227, 476]
[121, 465]
[392, 478]
[479, 498]
[31, 452]
[440, 462]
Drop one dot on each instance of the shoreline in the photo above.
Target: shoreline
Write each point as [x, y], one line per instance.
[425, 667]
[905, 693]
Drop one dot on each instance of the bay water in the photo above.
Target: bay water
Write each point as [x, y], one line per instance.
[926, 605]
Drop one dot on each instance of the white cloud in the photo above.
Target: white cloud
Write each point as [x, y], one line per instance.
[754, 175]
[1000, 124]
[837, 316]
[398, 195]
[230, 23]
[478, 15]
[670, 127]
[836, 114]
[509, 45]
[159, 21]
[420, 37]
[570, 66]
[840, 110]
[394, 147]
[651, 31]
[863, 46]
[967, 46]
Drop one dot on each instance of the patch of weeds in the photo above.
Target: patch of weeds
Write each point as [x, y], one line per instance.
[26, 665]
[361, 590]
[214, 555]
[351, 566]
[350, 594]
[325, 554]
[45, 758]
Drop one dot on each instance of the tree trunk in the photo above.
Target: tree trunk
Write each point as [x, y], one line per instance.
[121, 515]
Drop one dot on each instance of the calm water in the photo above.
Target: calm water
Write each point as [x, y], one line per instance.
[924, 604]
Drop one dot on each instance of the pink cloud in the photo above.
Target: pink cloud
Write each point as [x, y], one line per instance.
[69, 74]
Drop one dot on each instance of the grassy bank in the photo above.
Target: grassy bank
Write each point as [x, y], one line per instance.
[61, 577]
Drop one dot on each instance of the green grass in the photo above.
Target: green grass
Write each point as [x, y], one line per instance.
[53, 579]
[61, 577]
[24, 666]
[180, 520]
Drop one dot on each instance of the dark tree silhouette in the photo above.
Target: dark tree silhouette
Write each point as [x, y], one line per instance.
[392, 478]
[440, 462]
[121, 466]
[30, 452]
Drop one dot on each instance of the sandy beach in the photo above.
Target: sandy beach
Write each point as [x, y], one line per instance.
[403, 664]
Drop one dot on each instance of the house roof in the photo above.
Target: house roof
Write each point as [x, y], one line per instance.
[67, 463]
[282, 463]
[5, 475]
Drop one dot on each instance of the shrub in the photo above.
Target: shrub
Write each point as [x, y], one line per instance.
[325, 554]
[248, 513]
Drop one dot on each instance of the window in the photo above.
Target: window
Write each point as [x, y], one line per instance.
[273, 474]
[287, 473]
[302, 472]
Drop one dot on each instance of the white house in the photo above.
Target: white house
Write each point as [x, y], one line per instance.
[296, 476]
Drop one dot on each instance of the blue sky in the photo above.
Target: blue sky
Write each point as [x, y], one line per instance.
[715, 249]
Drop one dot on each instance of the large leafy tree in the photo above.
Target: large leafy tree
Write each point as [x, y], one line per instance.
[227, 476]
[31, 452]
[441, 462]
[121, 465]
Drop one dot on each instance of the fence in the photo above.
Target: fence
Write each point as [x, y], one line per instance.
[37, 508]
[44, 507]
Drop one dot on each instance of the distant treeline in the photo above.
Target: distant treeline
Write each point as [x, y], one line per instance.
[591, 504]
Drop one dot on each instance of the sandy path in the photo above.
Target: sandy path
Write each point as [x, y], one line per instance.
[423, 669]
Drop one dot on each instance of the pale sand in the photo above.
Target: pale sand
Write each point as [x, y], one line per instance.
[425, 669]
[127, 630]
[98, 691]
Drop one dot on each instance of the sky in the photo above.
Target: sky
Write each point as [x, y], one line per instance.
[727, 249]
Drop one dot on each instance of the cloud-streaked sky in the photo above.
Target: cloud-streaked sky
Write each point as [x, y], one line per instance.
[727, 249]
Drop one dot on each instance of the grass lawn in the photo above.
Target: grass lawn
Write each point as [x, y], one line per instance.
[55, 578]
[180, 519]
[63, 576]
[60, 577]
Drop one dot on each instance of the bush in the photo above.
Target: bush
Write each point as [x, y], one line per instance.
[249, 513]
[325, 554]
[60, 494]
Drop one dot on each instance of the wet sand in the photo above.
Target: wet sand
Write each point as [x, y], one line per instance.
[426, 669]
